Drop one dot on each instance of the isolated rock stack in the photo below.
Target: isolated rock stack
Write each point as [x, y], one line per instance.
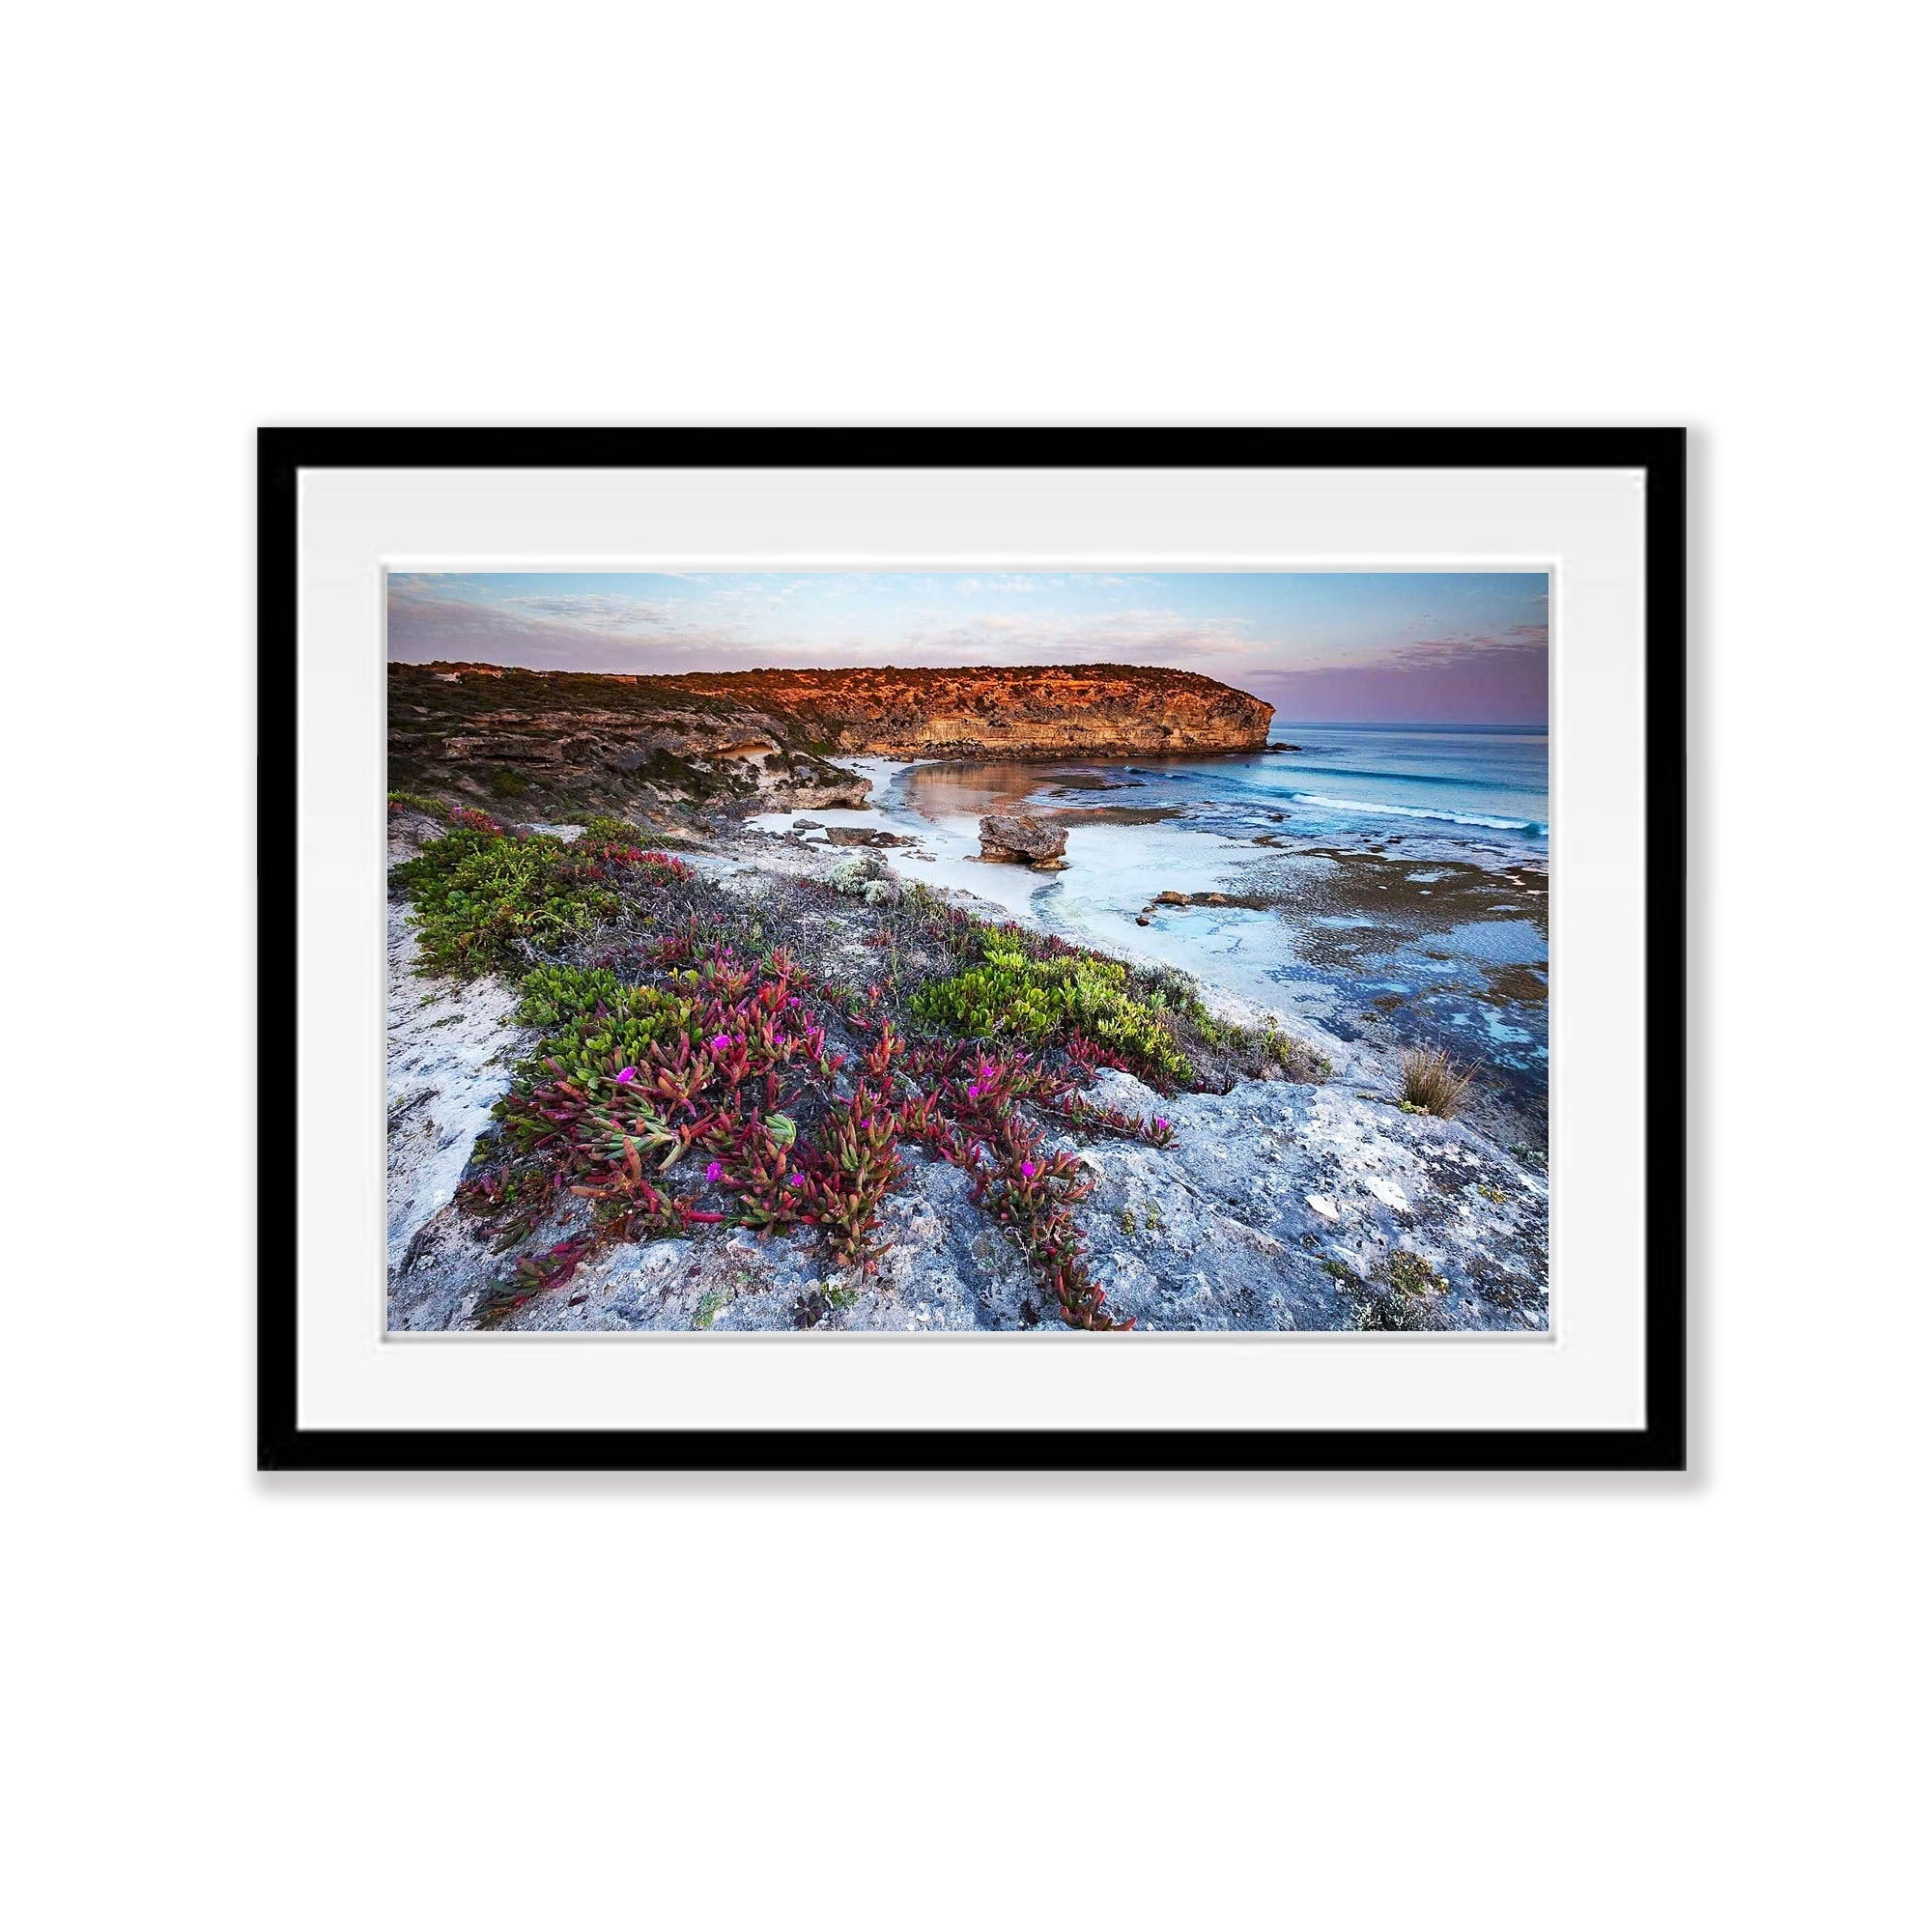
[1010, 840]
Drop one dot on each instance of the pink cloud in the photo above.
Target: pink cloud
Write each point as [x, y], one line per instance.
[1502, 680]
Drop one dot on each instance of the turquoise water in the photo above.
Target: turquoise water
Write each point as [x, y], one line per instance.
[1482, 791]
[1400, 876]
[1392, 885]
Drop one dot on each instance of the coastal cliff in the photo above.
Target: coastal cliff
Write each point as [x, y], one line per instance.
[558, 740]
[1004, 712]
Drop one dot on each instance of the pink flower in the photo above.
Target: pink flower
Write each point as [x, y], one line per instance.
[627, 1073]
[720, 1043]
[713, 1172]
[1028, 1169]
[795, 1181]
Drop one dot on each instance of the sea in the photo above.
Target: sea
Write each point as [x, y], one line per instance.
[1376, 882]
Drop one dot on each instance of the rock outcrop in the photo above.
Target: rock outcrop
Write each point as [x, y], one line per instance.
[1008, 839]
[848, 793]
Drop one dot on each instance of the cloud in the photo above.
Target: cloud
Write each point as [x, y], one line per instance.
[597, 631]
[1472, 680]
[1414, 654]
[1520, 642]
[594, 610]
[562, 632]
[1117, 637]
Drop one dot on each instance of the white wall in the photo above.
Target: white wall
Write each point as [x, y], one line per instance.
[1457, 1702]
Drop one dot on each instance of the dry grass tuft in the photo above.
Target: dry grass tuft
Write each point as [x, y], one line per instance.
[1432, 1082]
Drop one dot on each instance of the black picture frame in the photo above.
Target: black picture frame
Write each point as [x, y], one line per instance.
[1660, 1444]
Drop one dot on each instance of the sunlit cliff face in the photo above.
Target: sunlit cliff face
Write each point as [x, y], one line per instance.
[994, 712]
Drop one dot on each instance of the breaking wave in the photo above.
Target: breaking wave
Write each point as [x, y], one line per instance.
[1534, 826]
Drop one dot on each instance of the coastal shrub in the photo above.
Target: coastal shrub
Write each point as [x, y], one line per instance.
[1264, 1050]
[481, 898]
[556, 997]
[710, 1093]
[1032, 1193]
[602, 829]
[676, 1084]
[1064, 994]
[466, 819]
[966, 1110]
[507, 782]
[699, 781]
[848, 1171]
[593, 1025]
[1294, 1059]
[1432, 1083]
[864, 875]
[650, 1073]
[1010, 982]
[485, 902]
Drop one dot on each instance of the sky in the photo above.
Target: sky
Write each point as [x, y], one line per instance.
[1323, 647]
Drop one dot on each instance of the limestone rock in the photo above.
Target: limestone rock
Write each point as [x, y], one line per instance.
[851, 794]
[1020, 841]
[861, 834]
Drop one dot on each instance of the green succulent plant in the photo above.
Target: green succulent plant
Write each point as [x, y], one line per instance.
[1040, 999]
[485, 901]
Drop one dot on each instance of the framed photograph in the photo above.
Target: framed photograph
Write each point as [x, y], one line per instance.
[956, 949]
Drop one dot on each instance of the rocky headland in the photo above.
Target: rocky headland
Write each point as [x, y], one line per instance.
[549, 743]
[1004, 711]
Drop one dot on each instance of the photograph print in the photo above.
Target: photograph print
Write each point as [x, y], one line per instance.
[1001, 953]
